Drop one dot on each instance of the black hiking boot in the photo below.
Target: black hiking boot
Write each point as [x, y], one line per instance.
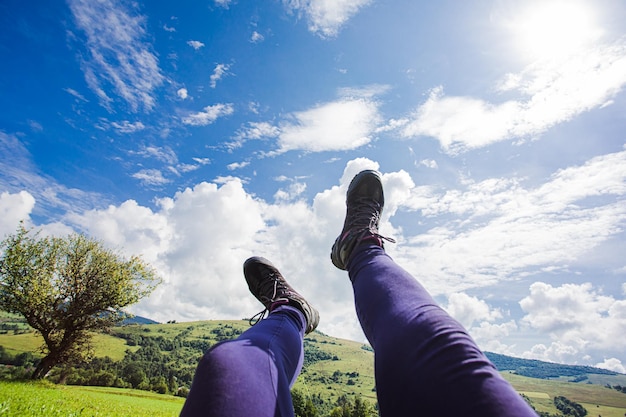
[364, 205]
[269, 287]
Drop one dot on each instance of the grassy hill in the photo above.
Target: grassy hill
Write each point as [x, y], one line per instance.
[333, 366]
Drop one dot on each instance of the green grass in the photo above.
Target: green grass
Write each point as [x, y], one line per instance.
[111, 346]
[352, 358]
[26, 342]
[40, 399]
[352, 374]
[103, 344]
[597, 399]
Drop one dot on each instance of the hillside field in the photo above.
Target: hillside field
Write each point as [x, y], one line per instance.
[333, 367]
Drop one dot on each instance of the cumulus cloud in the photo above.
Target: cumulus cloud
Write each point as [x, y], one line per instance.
[209, 115]
[326, 18]
[118, 54]
[467, 309]
[13, 209]
[612, 364]
[550, 92]
[182, 93]
[577, 317]
[179, 238]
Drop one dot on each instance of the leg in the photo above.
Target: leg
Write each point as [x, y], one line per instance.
[251, 375]
[424, 359]
[425, 362]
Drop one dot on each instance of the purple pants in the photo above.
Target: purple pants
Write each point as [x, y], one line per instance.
[251, 375]
[425, 362]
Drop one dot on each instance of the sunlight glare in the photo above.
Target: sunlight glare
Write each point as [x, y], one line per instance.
[555, 28]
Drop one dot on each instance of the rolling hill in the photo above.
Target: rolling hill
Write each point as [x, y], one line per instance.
[333, 367]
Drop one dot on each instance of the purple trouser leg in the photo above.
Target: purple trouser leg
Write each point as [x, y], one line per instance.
[425, 362]
[251, 375]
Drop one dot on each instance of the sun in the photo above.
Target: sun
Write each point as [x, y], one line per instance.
[554, 28]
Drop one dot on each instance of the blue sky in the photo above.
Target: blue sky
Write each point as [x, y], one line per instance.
[198, 134]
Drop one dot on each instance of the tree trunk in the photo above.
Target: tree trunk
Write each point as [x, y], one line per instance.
[44, 366]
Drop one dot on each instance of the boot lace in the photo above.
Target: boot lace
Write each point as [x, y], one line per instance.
[364, 219]
[270, 283]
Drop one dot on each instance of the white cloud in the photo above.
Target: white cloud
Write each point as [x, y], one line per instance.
[118, 55]
[254, 131]
[260, 130]
[326, 17]
[209, 115]
[223, 3]
[551, 92]
[498, 230]
[489, 336]
[169, 28]
[578, 318]
[76, 94]
[128, 127]
[151, 177]
[202, 161]
[178, 238]
[13, 209]
[163, 154]
[467, 309]
[129, 227]
[495, 230]
[612, 364]
[340, 125]
[256, 37]
[557, 352]
[237, 165]
[35, 126]
[182, 93]
[430, 163]
[187, 167]
[218, 73]
[366, 92]
[195, 44]
[291, 193]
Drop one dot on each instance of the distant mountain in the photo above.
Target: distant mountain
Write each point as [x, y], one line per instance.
[540, 369]
[137, 320]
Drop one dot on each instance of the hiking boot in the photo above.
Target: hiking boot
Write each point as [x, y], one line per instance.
[269, 287]
[364, 205]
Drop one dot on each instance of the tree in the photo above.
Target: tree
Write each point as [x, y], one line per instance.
[67, 288]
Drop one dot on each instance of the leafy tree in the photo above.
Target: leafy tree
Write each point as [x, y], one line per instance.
[569, 407]
[303, 405]
[66, 288]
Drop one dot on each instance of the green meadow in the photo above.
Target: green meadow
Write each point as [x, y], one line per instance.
[40, 399]
[333, 368]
